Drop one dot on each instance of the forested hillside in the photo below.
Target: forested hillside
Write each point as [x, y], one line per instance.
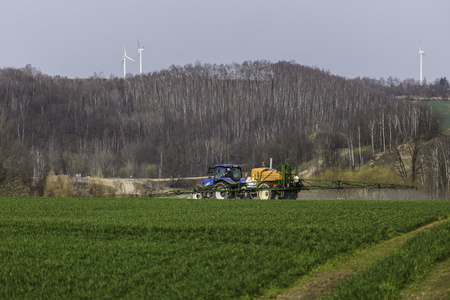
[179, 121]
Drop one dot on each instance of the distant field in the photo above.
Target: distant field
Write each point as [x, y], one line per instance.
[184, 248]
[444, 108]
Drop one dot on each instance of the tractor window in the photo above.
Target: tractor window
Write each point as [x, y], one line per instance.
[235, 174]
[220, 172]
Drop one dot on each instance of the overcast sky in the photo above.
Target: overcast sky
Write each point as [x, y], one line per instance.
[350, 38]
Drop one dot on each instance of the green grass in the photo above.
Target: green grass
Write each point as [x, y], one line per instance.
[180, 248]
[410, 263]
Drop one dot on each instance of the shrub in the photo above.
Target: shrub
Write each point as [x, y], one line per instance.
[98, 190]
[15, 188]
[58, 186]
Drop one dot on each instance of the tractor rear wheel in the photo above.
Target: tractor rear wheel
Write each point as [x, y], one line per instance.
[222, 191]
[265, 192]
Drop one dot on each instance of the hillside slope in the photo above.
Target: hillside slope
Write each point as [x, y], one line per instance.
[178, 122]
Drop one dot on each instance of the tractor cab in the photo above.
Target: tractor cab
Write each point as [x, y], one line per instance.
[229, 173]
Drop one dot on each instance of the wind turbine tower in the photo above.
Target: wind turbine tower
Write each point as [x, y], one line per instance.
[125, 57]
[140, 49]
[421, 54]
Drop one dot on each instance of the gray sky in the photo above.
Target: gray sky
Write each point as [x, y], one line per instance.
[350, 38]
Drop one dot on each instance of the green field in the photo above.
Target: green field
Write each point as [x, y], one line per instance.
[186, 249]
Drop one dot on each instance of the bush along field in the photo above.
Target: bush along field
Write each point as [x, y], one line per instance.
[202, 249]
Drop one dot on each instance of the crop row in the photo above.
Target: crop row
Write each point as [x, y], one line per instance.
[178, 248]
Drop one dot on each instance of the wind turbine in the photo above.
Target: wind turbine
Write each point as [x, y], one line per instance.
[125, 57]
[421, 53]
[140, 49]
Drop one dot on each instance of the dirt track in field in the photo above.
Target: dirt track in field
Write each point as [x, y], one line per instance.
[323, 282]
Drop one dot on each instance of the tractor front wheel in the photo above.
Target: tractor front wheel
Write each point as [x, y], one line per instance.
[221, 191]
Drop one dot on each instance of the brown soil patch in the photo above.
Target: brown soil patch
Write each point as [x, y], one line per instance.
[324, 281]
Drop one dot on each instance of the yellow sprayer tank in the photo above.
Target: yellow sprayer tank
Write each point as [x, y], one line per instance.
[268, 175]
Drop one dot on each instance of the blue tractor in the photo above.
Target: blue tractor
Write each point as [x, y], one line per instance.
[226, 177]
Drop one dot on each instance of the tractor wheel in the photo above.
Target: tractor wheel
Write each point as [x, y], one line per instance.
[222, 192]
[197, 195]
[265, 193]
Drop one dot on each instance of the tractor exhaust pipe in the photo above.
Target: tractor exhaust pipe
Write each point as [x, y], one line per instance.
[270, 163]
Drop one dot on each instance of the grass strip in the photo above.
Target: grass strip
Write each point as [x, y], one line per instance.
[410, 263]
[436, 284]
